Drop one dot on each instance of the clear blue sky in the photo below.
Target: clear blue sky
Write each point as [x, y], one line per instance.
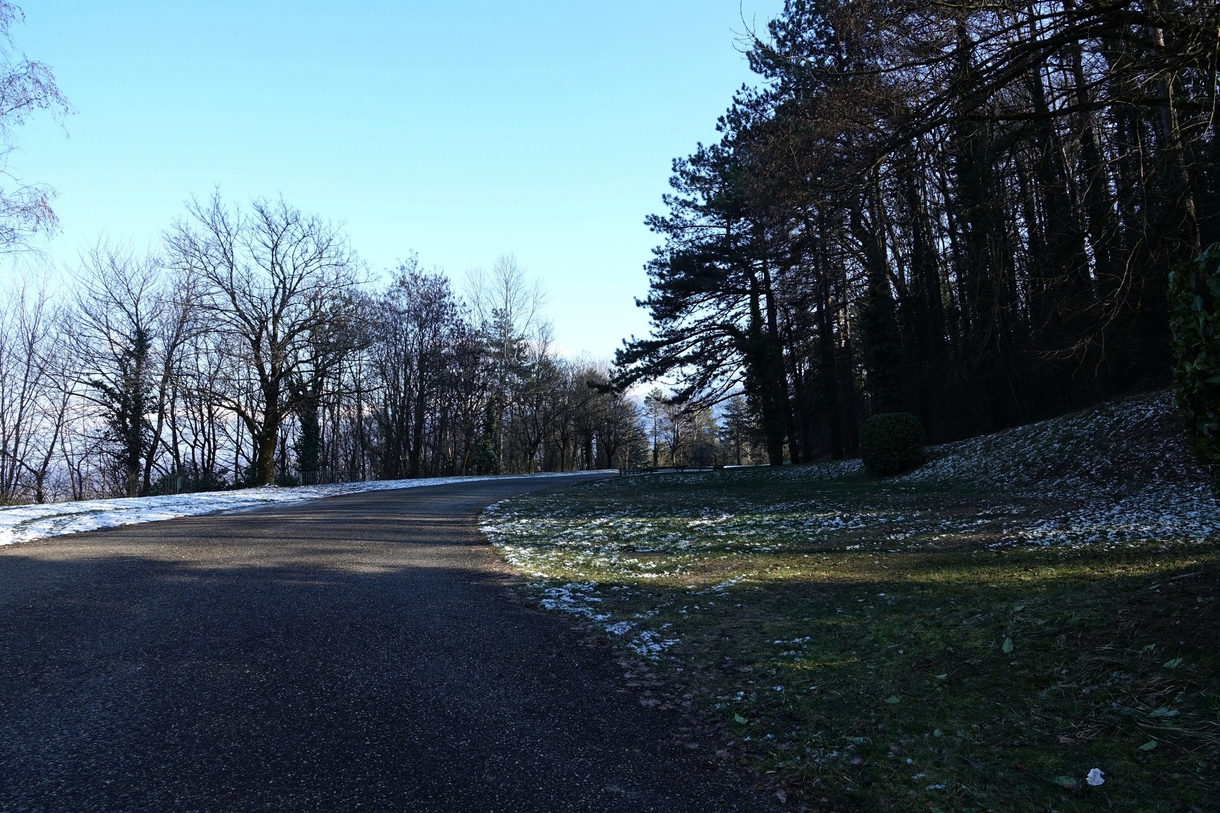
[459, 130]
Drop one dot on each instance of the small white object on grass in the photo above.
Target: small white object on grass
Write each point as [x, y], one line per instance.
[1095, 777]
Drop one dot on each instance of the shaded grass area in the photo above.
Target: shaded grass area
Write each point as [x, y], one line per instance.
[887, 646]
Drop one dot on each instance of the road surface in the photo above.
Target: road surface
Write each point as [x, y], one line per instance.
[355, 653]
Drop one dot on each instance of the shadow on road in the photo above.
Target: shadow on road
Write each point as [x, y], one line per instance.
[356, 652]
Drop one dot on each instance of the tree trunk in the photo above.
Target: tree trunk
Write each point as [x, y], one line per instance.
[265, 457]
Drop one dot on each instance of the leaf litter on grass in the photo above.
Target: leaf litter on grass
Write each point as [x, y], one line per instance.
[962, 636]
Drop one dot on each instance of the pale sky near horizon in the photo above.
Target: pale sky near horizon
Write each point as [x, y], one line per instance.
[461, 131]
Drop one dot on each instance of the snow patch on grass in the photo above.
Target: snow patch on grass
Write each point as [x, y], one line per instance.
[1118, 448]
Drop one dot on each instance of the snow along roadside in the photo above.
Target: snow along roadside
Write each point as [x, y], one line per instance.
[24, 523]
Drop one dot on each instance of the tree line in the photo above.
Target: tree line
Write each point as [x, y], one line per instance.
[967, 211]
[252, 348]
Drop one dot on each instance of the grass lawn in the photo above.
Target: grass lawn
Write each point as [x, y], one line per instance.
[941, 642]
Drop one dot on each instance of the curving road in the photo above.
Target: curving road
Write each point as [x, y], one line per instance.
[355, 653]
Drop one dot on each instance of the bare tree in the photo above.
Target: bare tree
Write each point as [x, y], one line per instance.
[508, 313]
[33, 395]
[273, 280]
[618, 426]
[25, 88]
[539, 400]
[132, 322]
[196, 419]
[420, 322]
[654, 415]
[506, 298]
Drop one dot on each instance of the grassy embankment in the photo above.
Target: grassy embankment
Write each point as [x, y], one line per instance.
[977, 636]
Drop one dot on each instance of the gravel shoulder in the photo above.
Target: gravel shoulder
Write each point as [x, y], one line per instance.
[363, 652]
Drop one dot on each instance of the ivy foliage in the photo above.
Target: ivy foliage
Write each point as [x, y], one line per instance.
[1194, 291]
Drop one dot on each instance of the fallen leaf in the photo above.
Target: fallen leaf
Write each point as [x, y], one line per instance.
[1007, 647]
[1173, 664]
[740, 719]
[893, 699]
[1148, 746]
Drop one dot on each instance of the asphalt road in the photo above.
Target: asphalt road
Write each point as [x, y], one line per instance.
[356, 653]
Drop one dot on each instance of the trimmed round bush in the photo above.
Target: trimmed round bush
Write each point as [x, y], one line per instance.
[891, 443]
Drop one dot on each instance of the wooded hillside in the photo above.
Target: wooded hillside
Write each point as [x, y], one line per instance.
[967, 211]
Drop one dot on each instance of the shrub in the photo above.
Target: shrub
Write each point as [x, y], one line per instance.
[1194, 321]
[891, 443]
[188, 480]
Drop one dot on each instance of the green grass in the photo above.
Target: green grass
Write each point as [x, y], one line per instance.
[903, 645]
